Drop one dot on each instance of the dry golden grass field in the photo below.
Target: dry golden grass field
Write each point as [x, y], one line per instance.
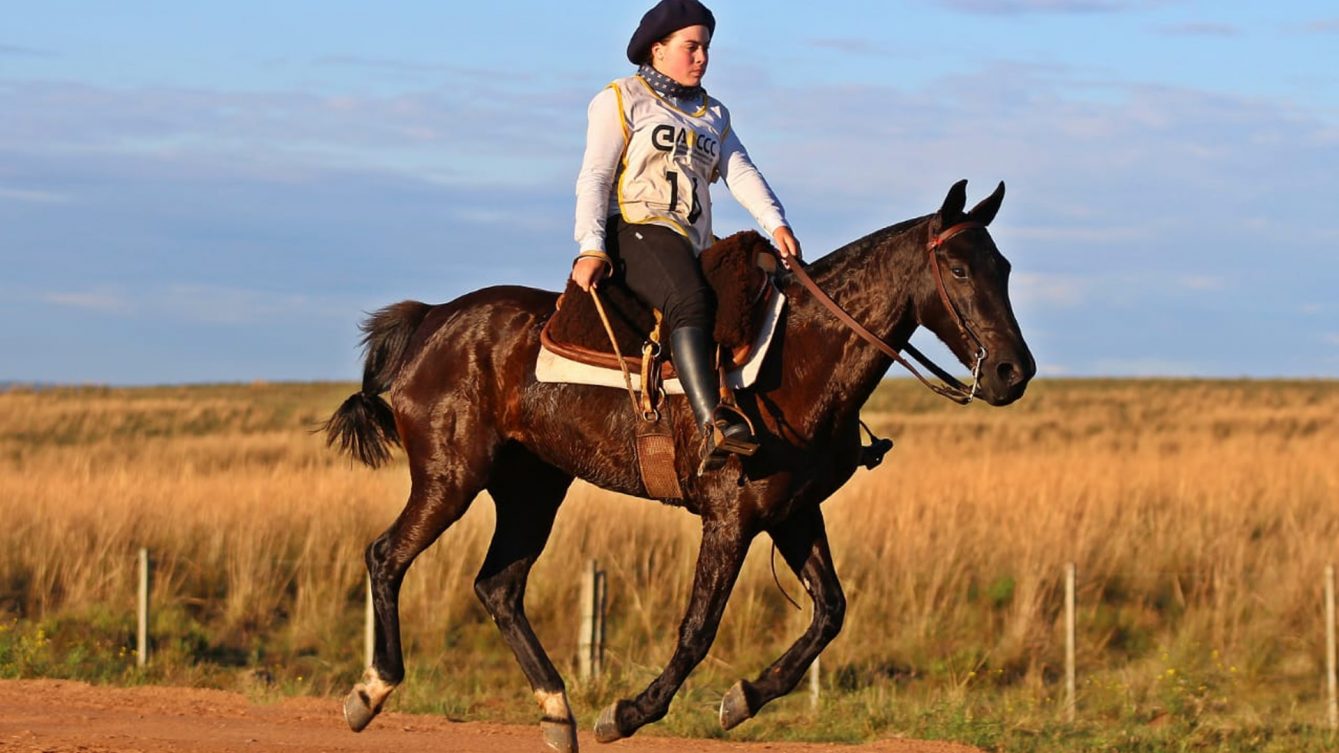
[1200, 515]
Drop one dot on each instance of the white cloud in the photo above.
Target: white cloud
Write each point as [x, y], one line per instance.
[205, 304]
[1063, 291]
[1203, 282]
[105, 302]
[1053, 369]
[473, 76]
[224, 305]
[855, 46]
[473, 129]
[1021, 7]
[1201, 29]
[1145, 366]
[11, 50]
[1323, 26]
[1121, 197]
[1128, 180]
[390, 64]
[33, 196]
[1079, 234]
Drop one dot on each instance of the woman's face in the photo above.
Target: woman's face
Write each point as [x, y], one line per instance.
[683, 57]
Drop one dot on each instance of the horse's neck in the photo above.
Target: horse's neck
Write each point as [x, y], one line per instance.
[873, 279]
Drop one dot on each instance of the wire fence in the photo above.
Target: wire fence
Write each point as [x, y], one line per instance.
[594, 600]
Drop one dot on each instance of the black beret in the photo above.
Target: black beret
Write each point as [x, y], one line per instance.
[663, 20]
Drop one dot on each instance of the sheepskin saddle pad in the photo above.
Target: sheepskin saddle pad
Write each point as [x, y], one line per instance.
[738, 272]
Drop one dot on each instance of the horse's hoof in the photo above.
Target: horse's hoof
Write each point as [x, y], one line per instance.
[560, 735]
[606, 727]
[736, 707]
[358, 711]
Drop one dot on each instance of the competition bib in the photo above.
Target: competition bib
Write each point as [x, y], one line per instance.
[670, 158]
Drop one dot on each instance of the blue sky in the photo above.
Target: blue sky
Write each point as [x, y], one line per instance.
[216, 192]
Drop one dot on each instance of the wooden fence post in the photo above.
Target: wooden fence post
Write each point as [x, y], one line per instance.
[814, 684]
[1330, 679]
[601, 603]
[590, 642]
[1070, 710]
[369, 625]
[142, 612]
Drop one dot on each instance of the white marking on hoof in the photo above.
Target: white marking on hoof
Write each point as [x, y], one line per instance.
[364, 702]
[558, 726]
[554, 705]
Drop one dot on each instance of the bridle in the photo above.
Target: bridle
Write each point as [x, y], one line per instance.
[952, 388]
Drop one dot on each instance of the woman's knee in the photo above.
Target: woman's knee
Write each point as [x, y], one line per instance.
[689, 306]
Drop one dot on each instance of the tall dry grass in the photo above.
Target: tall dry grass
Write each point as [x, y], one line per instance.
[1200, 516]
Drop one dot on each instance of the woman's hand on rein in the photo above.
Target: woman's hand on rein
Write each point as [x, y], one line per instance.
[787, 244]
[588, 272]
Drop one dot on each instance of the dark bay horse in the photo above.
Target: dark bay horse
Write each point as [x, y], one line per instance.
[465, 405]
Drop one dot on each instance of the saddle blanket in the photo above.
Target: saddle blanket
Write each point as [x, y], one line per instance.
[553, 368]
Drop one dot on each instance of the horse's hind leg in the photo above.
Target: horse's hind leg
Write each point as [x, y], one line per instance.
[437, 499]
[803, 542]
[527, 493]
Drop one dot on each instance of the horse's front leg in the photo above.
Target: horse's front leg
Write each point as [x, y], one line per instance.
[724, 544]
[803, 541]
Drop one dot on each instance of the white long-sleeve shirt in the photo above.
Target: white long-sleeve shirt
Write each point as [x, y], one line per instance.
[624, 122]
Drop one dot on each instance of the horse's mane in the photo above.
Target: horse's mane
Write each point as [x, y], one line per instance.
[853, 251]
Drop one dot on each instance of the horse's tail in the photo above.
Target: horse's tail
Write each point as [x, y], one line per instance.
[364, 425]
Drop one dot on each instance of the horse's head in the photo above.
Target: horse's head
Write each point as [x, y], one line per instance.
[964, 298]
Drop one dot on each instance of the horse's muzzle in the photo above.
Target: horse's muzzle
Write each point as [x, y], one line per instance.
[1004, 380]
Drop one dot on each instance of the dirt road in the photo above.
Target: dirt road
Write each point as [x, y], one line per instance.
[53, 716]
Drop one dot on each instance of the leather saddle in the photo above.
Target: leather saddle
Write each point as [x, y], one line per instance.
[737, 269]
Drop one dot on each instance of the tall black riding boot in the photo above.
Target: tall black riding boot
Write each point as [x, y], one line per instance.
[692, 350]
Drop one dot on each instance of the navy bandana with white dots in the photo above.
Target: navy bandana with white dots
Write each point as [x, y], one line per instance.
[666, 86]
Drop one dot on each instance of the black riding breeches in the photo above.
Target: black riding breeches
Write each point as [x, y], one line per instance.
[659, 267]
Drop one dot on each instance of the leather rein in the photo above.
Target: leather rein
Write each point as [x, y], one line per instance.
[952, 388]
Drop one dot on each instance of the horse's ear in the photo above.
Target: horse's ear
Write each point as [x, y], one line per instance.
[953, 203]
[985, 211]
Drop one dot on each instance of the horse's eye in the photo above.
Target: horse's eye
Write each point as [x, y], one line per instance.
[959, 272]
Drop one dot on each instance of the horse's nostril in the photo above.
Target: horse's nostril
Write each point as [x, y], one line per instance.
[1008, 373]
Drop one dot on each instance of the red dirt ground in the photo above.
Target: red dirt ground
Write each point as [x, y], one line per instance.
[55, 716]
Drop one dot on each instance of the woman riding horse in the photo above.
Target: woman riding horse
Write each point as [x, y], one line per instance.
[654, 143]
[464, 402]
